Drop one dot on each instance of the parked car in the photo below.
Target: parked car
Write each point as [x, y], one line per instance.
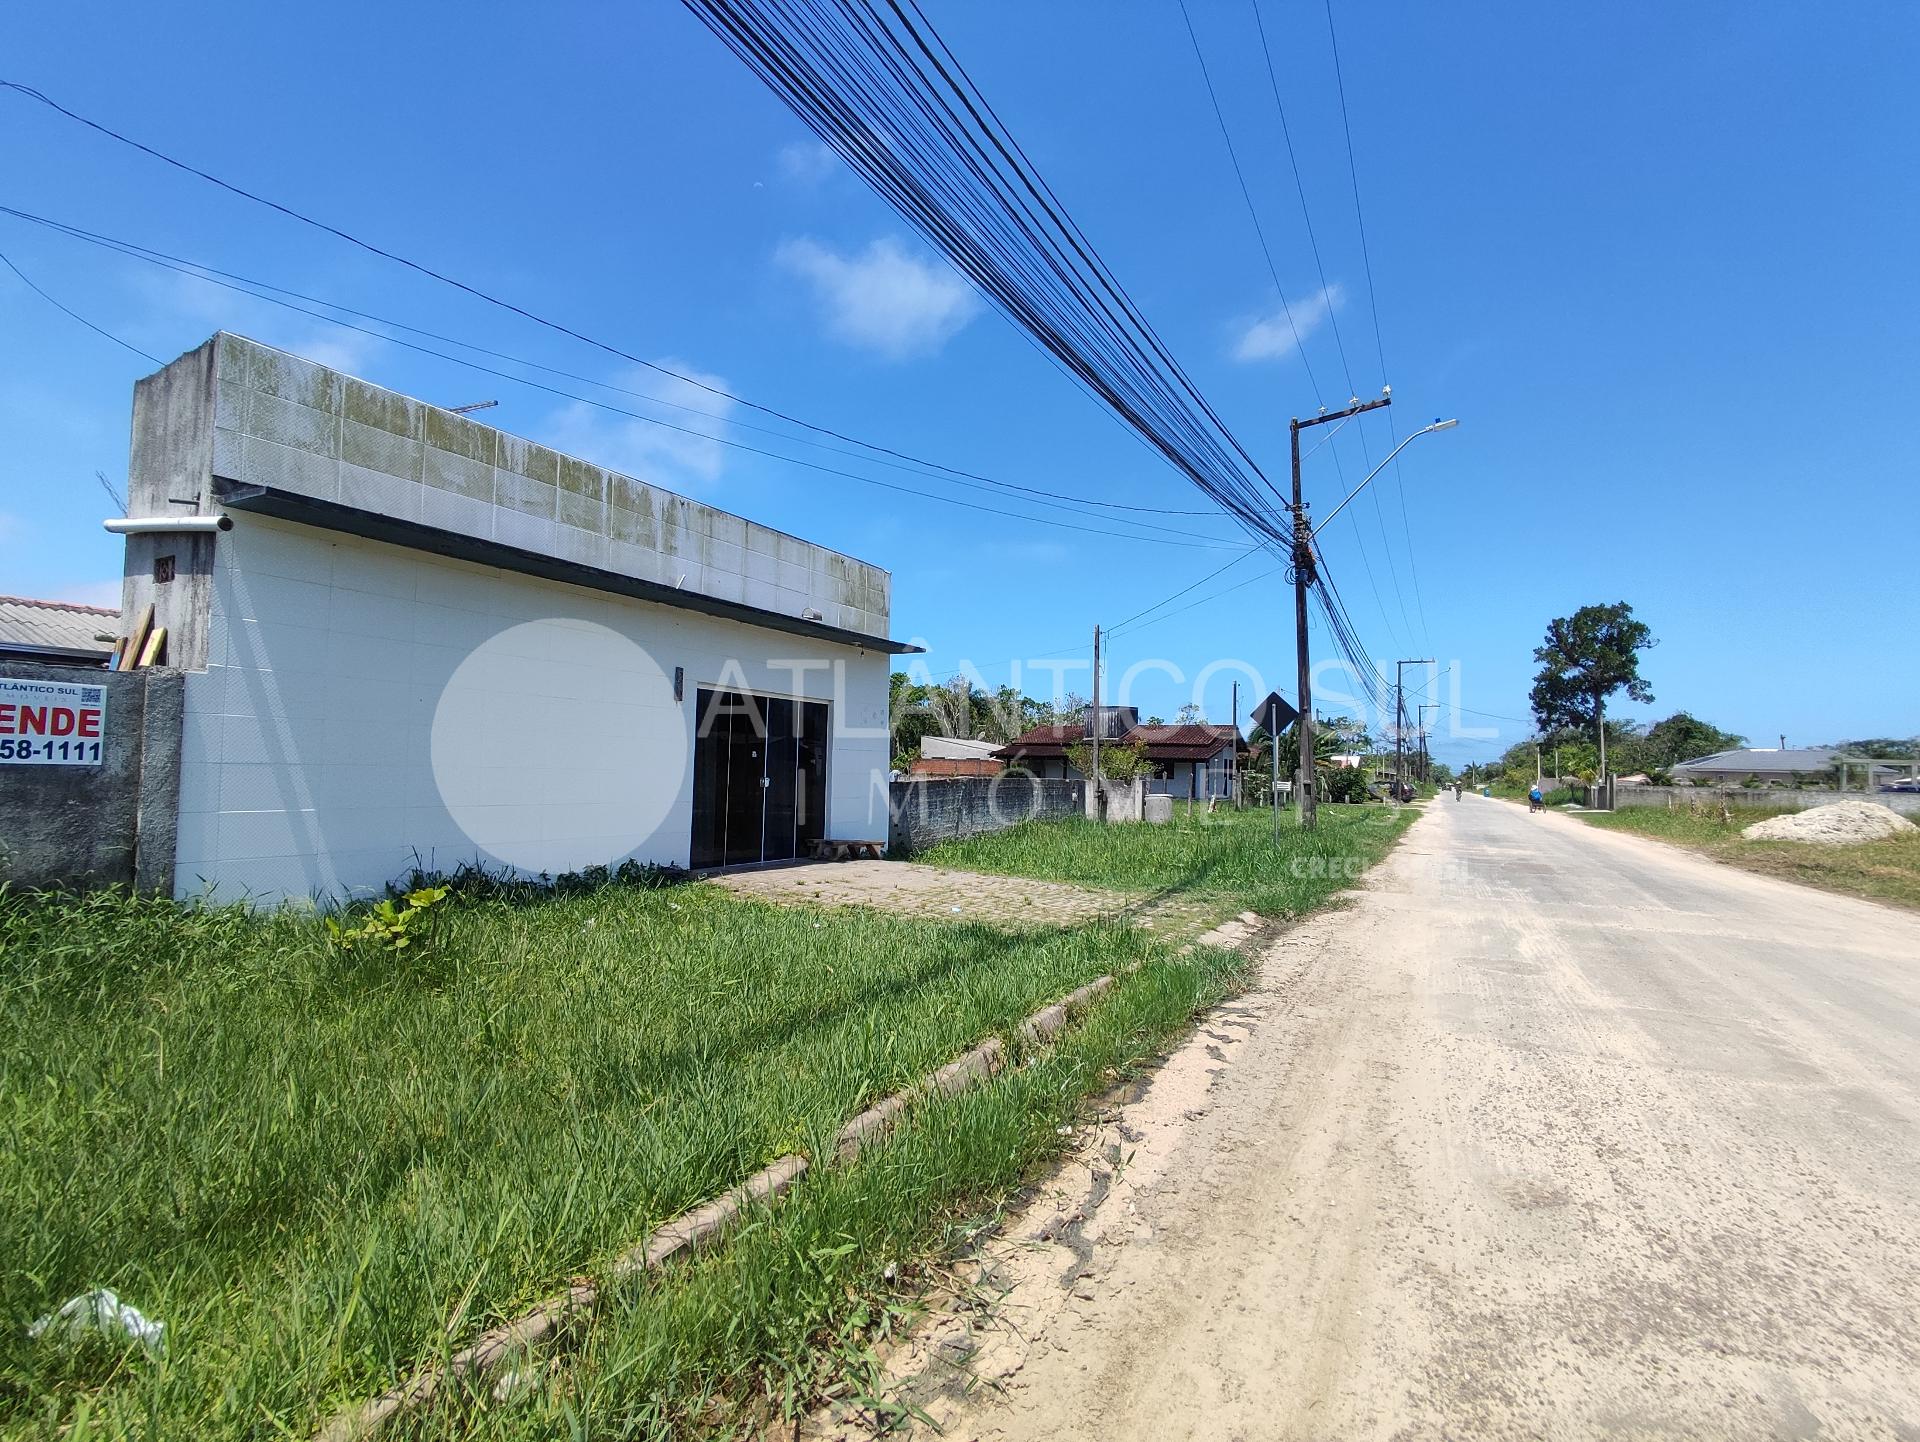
[1906, 785]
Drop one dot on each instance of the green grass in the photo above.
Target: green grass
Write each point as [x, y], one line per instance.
[752, 1333]
[316, 1168]
[1227, 862]
[1883, 870]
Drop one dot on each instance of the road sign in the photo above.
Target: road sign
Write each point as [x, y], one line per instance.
[1274, 715]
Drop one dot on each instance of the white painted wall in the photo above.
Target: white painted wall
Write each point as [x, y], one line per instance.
[365, 705]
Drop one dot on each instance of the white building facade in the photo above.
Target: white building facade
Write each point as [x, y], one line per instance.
[423, 642]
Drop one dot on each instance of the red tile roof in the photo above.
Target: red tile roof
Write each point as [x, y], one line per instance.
[1192, 742]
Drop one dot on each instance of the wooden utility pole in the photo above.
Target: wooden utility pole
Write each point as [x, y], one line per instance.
[1093, 734]
[1303, 577]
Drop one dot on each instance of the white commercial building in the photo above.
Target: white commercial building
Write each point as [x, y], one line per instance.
[420, 640]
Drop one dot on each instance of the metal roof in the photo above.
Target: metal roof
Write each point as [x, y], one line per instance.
[1764, 761]
[957, 748]
[56, 628]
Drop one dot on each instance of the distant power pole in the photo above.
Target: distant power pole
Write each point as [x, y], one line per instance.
[1093, 733]
[1400, 717]
[1233, 766]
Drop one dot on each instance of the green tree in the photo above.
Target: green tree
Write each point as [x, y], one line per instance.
[1585, 659]
[1119, 760]
[1682, 737]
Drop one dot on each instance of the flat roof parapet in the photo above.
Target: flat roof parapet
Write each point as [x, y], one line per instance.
[293, 427]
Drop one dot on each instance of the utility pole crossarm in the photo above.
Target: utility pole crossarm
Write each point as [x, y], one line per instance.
[1303, 578]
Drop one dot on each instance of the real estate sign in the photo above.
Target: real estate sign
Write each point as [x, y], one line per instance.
[51, 723]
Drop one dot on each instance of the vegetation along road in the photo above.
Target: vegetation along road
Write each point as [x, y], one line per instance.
[1556, 1132]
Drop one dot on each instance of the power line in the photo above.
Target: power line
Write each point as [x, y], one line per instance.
[475, 291]
[877, 84]
[1333, 320]
[1155, 535]
[1207, 600]
[1259, 230]
[73, 314]
[1273, 273]
[1373, 305]
[1118, 628]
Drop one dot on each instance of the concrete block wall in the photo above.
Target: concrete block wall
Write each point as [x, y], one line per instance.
[926, 811]
[75, 827]
[1758, 797]
[365, 706]
[282, 421]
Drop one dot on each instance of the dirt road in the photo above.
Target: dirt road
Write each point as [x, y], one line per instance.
[1555, 1133]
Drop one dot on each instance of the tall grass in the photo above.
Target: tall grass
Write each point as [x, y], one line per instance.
[753, 1332]
[316, 1168]
[1230, 859]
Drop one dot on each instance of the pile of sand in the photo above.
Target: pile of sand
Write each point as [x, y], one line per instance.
[1843, 823]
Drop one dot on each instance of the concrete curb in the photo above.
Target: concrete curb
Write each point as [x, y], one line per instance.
[678, 1238]
[1048, 1020]
[694, 1230]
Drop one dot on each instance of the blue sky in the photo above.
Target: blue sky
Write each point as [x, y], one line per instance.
[1659, 260]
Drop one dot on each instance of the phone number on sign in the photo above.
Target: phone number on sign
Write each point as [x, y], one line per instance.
[49, 750]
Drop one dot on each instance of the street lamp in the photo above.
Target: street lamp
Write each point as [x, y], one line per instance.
[1303, 576]
[1423, 431]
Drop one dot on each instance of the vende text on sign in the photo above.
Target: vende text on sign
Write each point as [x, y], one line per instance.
[51, 723]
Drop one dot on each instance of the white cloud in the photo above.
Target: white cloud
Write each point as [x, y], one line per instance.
[883, 299]
[652, 453]
[1272, 337]
[807, 162]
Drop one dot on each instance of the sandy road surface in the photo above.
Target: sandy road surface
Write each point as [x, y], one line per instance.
[1555, 1133]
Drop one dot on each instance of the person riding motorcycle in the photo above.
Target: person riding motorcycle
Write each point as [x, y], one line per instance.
[1535, 801]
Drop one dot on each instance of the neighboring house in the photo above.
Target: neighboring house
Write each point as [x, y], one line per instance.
[1195, 760]
[1774, 766]
[957, 756]
[56, 632]
[411, 638]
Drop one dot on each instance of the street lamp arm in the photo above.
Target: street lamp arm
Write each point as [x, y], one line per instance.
[1424, 430]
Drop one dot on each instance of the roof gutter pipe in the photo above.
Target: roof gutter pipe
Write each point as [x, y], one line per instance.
[167, 525]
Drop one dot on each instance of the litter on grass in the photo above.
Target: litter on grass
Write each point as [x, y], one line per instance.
[100, 1311]
[1843, 823]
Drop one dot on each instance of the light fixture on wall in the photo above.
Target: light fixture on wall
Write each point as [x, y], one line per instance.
[811, 615]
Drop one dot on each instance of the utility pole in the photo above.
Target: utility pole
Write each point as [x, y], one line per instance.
[1426, 763]
[1400, 717]
[1233, 768]
[1303, 577]
[1093, 734]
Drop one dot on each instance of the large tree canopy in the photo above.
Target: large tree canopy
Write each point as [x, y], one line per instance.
[1585, 659]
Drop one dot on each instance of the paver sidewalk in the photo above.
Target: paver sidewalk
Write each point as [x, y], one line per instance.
[1015, 902]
